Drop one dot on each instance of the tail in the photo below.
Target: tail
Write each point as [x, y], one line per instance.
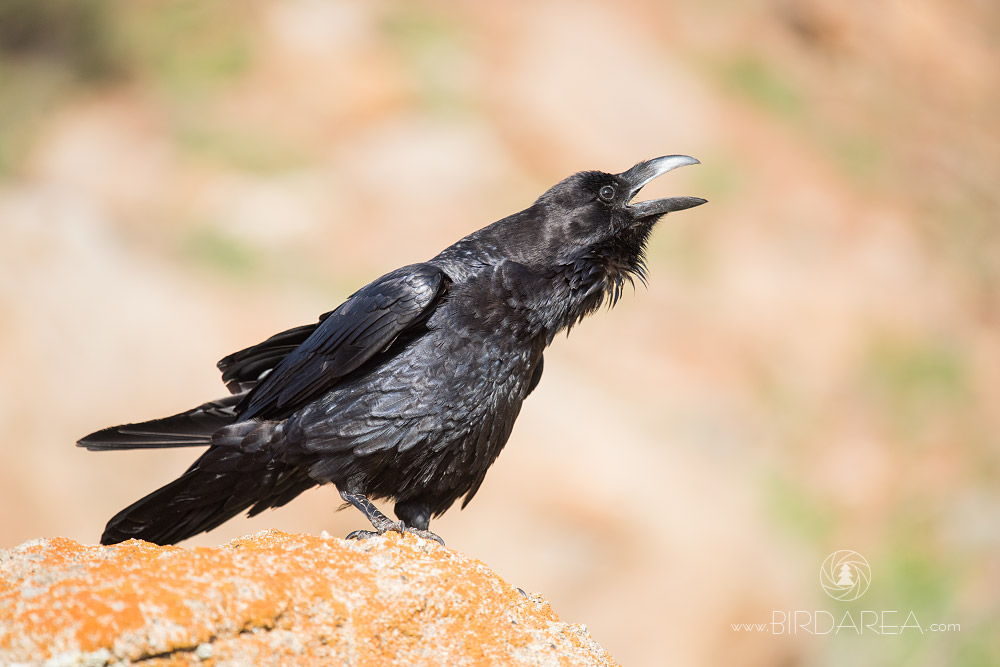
[223, 482]
[187, 429]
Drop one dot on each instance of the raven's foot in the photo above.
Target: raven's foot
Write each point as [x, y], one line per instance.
[383, 524]
[397, 526]
[362, 534]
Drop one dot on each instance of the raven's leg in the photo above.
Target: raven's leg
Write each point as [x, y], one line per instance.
[416, 517]
[383, 524]
[380, 522]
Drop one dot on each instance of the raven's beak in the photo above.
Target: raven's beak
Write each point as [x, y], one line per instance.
[644, 172]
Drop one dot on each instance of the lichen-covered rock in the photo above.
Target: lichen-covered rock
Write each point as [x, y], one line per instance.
[270, 599]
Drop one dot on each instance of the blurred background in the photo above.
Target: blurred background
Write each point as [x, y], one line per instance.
[815, 365]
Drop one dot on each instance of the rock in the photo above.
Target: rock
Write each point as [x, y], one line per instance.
[273, 598]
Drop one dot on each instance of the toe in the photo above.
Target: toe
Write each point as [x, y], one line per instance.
[426, 534]
[361, 535]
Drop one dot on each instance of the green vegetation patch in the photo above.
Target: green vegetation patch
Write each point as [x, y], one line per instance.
[758, 82]
[792, 508]
[916, 381]
[215, 250]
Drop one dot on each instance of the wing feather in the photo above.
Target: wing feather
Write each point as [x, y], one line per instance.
[347, 337]
[242, 370]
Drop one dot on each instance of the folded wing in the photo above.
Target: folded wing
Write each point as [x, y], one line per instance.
[367, 323]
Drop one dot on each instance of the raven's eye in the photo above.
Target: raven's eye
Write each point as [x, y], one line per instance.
[607, 193]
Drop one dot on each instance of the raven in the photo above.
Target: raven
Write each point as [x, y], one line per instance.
[409, 389]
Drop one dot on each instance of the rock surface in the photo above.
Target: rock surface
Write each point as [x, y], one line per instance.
[273, 598]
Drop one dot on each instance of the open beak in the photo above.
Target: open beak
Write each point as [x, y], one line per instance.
[643, 173]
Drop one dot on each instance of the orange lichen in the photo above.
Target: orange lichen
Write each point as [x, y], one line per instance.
[274, 597]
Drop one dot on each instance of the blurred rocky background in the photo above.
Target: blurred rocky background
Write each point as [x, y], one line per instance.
[815, 365]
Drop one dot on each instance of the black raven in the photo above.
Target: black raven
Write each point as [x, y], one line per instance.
[410, 388]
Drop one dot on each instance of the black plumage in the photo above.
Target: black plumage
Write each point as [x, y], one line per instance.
[410, 388]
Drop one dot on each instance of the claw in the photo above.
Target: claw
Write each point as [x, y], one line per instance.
[426, 534]
[399, 527]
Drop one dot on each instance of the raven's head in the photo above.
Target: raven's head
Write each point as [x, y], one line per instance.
[593, 225]
[580, 242]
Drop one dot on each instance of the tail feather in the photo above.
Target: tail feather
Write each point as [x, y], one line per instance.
[164, 517]
[215, 489]
[187, 429]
